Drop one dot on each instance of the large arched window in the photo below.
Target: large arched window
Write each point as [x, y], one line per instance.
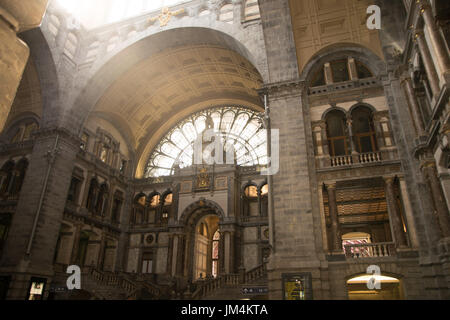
[239, 128]
[364, 130]
[337, 133]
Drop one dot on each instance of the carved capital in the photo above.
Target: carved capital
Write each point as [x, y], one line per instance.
[283, 89]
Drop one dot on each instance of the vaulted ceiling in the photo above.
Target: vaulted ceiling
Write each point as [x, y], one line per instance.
[156, 93]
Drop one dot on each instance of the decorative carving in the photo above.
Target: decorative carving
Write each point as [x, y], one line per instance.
[203, 179]
[165, 16]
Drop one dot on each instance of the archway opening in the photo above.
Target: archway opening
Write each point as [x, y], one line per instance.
[206, 248]
[374, 287]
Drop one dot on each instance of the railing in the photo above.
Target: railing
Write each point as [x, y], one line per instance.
[206, 287]
[359, 158]
[255, 274]
[370, 157]
[340, 161]
[370, 250]
[111, 279]
[353, 84]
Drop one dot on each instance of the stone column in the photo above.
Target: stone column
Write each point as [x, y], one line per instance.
[87, 186]
[398, 234]
[440, 205]
[352, 67]
[231, 262]
[436, 38]
[15, 17]
[122, 244]
[318, 137]
[336, 242]
[328, 73]
[354, 152]
[170, 255]
[413, 106]
[326, 149]
[428, 63]
[180, 255]
[37, 221]
[411, 224]
[101, 251]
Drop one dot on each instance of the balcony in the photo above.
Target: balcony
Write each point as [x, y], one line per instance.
[348, 85]
[370, 250]
[357, 159]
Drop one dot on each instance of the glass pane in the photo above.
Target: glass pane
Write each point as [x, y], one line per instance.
[168, 199]
[155, 200]
[189, 131]
[215, 250]
[247, 138]
[366, 144]
[170, 149]
[251, 192]
[265, 190]
[179, 139]
[339, 147]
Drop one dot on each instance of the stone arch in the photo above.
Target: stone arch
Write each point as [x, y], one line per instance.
[262, 184]
[361, 104]
[190, 213]
[191, 216]
[331, 109]
[42, 55]
[11, 128]
[108, 69]
[387, 269]
[249, 184]
[340, 50]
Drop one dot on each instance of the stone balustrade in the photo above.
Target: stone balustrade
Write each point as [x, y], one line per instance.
[370, 250]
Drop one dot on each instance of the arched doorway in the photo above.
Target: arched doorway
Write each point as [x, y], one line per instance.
[206, 248]
[203, 250]
[389, 288]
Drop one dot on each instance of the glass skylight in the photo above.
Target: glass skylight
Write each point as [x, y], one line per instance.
[95, 13]
[238, 127]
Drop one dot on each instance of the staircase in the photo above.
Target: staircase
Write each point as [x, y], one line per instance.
[102, 285]
[229, 287]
